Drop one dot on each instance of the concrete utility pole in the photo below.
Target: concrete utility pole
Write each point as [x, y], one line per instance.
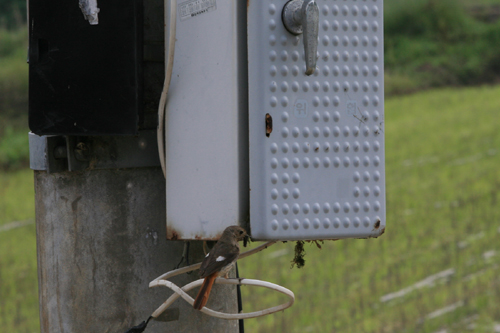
[100, 193]
[100, 240]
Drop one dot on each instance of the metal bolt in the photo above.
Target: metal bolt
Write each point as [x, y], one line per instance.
[82, 152]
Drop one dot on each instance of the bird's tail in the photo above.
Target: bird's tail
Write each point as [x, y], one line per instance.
[204, 292]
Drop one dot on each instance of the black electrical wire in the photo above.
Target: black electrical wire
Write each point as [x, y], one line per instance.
[139, 328]
[240, 303]
[185, 256]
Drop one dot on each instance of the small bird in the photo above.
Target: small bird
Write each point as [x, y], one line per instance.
[219, 261]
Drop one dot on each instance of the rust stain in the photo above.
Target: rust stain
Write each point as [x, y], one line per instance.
[375, 227]
[269, 124]
[172, 234]
[248, 3]
[376, 235]
[205, 238]
[379, 234]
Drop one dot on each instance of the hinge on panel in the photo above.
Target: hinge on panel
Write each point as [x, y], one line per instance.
[56, 153]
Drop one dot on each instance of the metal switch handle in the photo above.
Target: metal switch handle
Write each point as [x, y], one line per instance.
[302, 16]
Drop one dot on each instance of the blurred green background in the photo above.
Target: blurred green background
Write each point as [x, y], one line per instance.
[436, 269]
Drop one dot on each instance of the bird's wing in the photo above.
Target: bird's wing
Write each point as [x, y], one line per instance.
[219, 257]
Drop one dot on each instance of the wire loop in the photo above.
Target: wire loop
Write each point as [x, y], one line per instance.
[181, 292]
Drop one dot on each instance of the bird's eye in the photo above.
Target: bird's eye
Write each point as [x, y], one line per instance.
[241, 232]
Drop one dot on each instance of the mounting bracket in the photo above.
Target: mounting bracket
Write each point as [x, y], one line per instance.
[57, 153]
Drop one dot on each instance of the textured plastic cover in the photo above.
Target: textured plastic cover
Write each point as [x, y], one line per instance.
[319, 173]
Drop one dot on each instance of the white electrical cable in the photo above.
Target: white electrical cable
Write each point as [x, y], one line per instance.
[171, 15]
[181, 292]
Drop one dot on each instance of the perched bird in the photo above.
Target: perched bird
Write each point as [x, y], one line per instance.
[219, 261]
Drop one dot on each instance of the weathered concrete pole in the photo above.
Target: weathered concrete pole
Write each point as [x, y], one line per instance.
[100, 240]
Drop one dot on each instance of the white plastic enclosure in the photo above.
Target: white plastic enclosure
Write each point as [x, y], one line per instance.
[206, 121]
[319, 174]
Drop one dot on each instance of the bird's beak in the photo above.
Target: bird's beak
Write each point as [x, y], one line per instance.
[246, 240]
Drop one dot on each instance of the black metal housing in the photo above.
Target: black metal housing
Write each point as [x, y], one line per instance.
[85, 79]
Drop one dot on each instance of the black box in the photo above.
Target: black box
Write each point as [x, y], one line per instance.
[85, 79]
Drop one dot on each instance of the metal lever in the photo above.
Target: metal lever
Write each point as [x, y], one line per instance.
[302, 16]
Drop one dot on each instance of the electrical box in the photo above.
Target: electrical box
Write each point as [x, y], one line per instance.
[316, 141]
[206, 120]
[85, 73]
[314, 76]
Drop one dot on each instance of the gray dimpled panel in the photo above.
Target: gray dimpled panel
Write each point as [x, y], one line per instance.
[320, 173]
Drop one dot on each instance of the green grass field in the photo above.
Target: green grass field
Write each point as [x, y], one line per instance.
[18, 274]
[14, 152]
[436, 266]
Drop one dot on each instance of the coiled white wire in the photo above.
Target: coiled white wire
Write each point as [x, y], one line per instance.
[181, 292]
